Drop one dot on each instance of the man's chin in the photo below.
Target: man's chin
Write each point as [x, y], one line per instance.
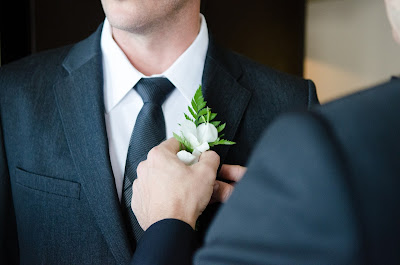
[127, 25]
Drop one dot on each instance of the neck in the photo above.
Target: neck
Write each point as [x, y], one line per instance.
[154, 50]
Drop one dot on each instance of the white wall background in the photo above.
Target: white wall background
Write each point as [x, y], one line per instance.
[349, 46]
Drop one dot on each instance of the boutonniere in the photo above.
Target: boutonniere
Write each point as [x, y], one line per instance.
[199, 131]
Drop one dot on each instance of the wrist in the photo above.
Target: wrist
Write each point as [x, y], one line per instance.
[180, 215]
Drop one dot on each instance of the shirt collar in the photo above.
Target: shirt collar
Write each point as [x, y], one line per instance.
[120, 76]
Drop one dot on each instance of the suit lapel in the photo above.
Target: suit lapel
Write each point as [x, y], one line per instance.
[223, 93]
[80, 101]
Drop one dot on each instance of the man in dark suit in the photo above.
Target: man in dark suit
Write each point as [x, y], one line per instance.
[67, 116]
[321, 188]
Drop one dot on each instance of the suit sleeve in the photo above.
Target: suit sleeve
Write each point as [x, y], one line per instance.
[168, 241]
[292, 206]
[8, 230]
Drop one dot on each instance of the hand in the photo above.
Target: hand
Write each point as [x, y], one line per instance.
[223, 190]
[167, 188]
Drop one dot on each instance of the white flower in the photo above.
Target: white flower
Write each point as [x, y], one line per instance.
[198, 138]
[187, 157]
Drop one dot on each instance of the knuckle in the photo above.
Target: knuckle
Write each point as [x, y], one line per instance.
[135, 184]
[216, 157]
[151, 153]
[141, 169]
[154, 153]
[213, 155]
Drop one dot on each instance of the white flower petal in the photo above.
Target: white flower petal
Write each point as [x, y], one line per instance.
[196, 153]
[189, 132]
[188, 127]
[187, 157]
[194, 142]
[203, 147]
[206, 132]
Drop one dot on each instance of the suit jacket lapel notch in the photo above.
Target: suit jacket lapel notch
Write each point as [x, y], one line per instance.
[223, 92]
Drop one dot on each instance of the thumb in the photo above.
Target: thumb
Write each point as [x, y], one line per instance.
[209, 158]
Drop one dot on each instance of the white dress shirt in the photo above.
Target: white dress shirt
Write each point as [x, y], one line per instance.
[122, 103]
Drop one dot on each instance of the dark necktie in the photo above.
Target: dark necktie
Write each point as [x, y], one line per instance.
[149, 131]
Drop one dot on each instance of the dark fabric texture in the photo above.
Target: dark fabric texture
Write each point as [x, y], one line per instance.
[149, 131]
[321, 188]
[175, 244]
[59, 204]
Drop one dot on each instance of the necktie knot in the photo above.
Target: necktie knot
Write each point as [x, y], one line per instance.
[154, 90]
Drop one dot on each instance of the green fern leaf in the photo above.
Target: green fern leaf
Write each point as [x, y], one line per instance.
[221, 127]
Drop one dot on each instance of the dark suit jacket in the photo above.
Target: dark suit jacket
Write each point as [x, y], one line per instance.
[58, 201]
[321, 188]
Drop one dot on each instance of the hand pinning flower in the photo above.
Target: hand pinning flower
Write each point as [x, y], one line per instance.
[199, 133]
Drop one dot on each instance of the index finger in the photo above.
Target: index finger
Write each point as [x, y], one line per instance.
[232, 172]
[171, 145]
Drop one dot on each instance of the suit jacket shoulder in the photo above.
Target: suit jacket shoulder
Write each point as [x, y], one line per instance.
[261, 79]
[38, 66]
[366, 127]
[40, 69]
